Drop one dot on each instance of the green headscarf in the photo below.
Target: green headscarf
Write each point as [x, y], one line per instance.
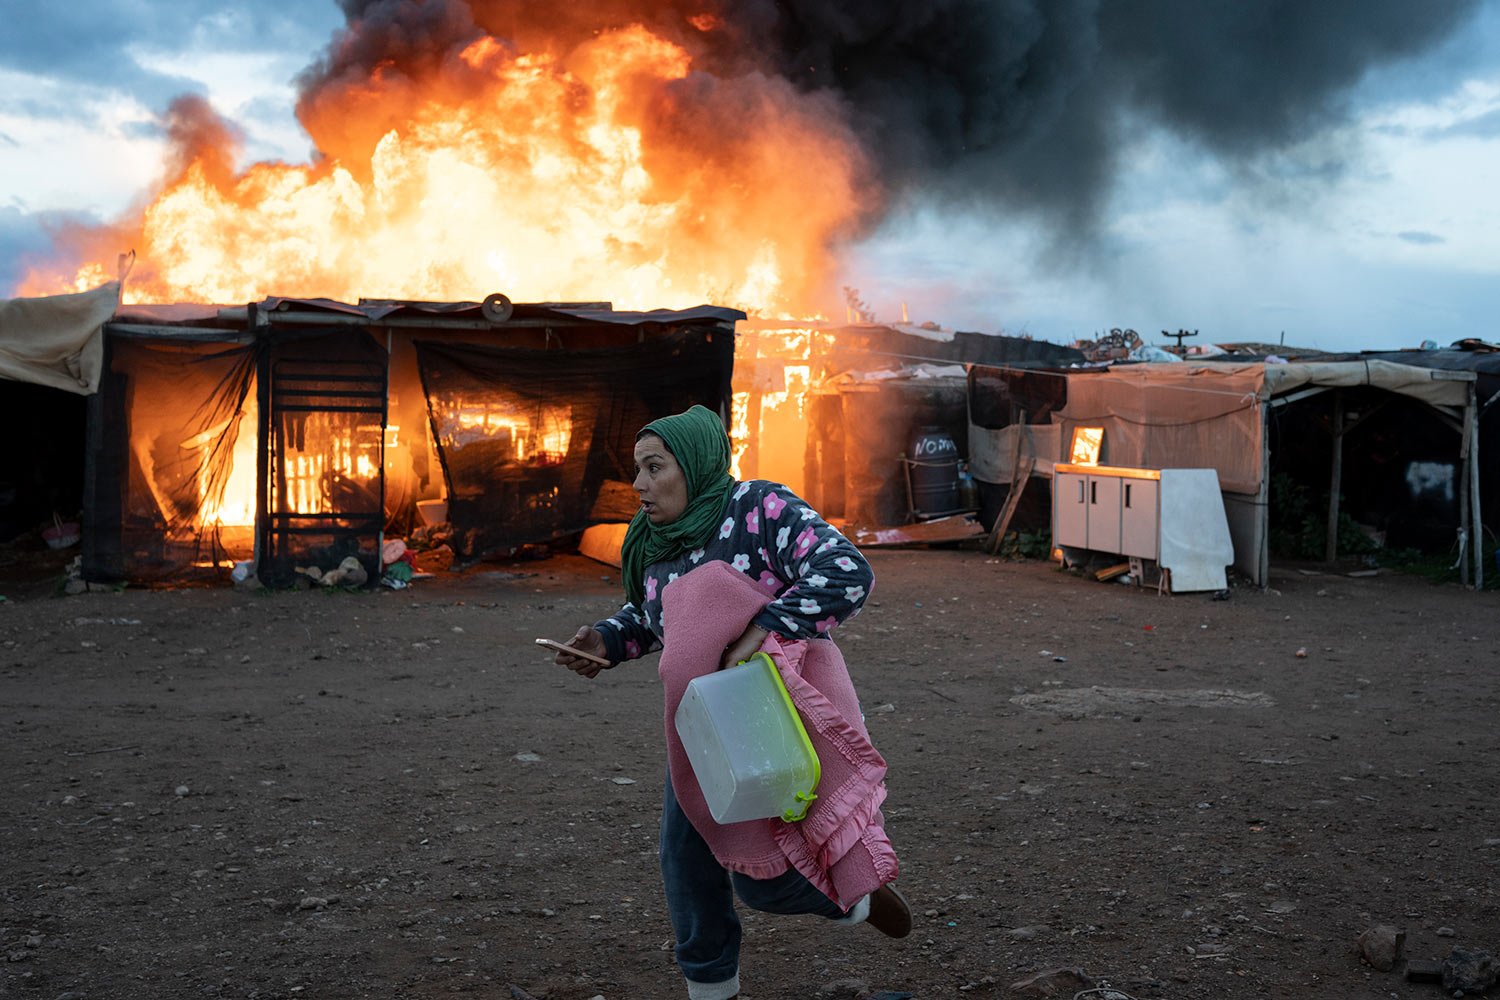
[698, 442]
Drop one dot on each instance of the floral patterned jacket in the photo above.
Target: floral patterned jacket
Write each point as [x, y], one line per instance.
[771, 535]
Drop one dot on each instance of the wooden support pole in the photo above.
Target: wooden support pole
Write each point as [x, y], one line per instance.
[1335, 478]
[1012, 501]
[1020, 474]
[750, 458]
[1465, 514]
[1465, 528]
[262, 438]
[385, 420]
[1263, 504]
[1476, 517]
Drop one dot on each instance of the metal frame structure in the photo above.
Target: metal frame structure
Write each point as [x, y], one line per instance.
[290, 386]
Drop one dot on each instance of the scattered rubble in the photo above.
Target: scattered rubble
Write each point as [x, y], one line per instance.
[1053, 983]
[329, 757]
[1382, 946]
[1471, 970]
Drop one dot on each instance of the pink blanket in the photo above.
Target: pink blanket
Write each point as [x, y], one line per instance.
[841, 846]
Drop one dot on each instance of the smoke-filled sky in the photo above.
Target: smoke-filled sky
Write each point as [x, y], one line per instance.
[1322, 173]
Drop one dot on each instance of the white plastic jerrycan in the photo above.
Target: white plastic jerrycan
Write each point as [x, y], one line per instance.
[746, 742]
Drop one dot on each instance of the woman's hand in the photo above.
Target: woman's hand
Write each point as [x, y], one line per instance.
[588, 640]
[744, 647]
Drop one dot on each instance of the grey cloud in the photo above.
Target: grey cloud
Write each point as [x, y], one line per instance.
[1242, 76]
[61, 104]
[989, 105]
[88, 41]
[26, 240]
[1429, 75]
[153, 129]
[1420, 237]
[1025, 102]
[264, 118]
[1486, 126]
[267, 110]
[1015, 106]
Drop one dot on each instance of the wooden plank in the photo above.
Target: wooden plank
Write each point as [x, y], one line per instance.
[992, 544]
[956, 528]
[1012, 501]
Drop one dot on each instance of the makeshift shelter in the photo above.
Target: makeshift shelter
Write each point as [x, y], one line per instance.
[297, 432]
[1433, 483]
[1215, 416]
[861, 429]
[832, 410]
[51, 355]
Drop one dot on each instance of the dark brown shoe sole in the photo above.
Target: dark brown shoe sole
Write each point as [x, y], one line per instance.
[890, 914]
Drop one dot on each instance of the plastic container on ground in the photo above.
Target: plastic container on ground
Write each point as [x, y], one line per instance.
[746, 742]
[432, 512]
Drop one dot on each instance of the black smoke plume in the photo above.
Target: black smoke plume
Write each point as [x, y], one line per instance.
[1018, 104]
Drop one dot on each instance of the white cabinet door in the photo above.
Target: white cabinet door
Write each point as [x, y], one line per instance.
[1104, 513]
[1139, 518]
[1070, 524]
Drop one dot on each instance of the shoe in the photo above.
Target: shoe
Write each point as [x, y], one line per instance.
[890, 914]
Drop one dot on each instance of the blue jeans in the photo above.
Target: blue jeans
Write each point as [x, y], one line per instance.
[700, 899]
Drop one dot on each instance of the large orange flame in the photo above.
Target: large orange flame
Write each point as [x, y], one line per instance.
[611, 171]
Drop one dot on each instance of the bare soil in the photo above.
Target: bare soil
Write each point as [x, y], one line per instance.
[396, 794]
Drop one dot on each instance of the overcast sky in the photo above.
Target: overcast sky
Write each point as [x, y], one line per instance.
[1382, 232]
[1380, 229]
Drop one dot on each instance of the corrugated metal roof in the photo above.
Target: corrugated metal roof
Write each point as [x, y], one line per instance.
[381, 310]
[592, 312]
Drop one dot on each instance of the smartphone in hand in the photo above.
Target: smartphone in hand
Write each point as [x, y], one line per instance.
[573, 651]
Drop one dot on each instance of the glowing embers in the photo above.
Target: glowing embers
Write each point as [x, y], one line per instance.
[535, 434]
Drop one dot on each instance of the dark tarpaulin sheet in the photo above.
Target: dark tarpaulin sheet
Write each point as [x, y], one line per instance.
[527, 437]
[998, 396]
[163, 430]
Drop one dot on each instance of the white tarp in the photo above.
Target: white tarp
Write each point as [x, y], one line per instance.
[990, 451]
[1433, 386]
[57, 340]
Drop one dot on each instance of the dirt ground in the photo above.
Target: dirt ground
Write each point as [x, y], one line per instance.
[395, 794]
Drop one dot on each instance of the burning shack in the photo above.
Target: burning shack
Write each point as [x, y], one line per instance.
[296, 433]
[837, 411]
